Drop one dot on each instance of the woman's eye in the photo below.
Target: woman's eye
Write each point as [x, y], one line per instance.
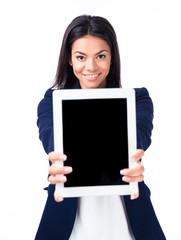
[80, 58]
[101, 56]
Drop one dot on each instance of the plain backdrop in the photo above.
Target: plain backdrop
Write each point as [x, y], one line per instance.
[149, 36]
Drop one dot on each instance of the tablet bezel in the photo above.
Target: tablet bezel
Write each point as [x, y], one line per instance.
[110, 93]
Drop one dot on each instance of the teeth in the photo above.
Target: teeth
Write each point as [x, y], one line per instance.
[92, 76]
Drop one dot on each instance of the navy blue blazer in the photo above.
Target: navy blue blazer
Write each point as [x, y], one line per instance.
[58, 218]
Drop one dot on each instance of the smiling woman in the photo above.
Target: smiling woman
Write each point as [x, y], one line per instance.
[89, 58]
[91, 64]
[104, 48]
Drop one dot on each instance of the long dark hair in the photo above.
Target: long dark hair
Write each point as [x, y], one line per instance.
[79, 27]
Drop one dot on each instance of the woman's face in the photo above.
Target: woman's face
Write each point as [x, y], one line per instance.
[91, 60]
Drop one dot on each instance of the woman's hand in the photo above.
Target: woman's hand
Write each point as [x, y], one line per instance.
[53, 171]
[134, 174]
[129, 175]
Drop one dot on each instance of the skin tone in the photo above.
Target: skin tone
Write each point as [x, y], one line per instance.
[91, 62]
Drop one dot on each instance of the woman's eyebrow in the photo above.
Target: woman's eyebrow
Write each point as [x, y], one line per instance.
[79, 52]
[101, 52]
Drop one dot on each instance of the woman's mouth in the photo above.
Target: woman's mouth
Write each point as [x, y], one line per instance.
[91, 76]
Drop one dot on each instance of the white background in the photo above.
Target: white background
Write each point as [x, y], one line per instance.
[149, 36]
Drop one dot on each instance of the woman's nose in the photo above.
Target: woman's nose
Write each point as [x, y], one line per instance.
[91, 65]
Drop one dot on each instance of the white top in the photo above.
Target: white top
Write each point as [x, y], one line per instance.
[101, 218]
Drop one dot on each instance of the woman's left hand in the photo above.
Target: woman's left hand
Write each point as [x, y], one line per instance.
[134, 174]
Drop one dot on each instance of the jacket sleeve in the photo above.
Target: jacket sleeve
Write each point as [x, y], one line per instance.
[144, 118]
[45, 121]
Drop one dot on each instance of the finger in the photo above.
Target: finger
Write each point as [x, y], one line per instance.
[138, 155]
[129, 179]
[53, 170]
[57, 179]
[139, 169]
[57, 197]
[134, 196]
[53, 156]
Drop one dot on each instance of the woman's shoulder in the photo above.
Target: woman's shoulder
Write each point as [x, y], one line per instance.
[141, 92]
[46, 102]
[144, 103]
[48, 92]
[143, 96]
[48, 95]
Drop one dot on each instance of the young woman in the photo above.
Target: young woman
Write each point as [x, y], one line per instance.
[89, 58]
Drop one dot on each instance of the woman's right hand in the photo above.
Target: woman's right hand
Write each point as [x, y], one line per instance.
[53, 171]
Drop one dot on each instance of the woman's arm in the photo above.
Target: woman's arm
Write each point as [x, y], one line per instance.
[45, 125]
[45, 121]
[144, 118]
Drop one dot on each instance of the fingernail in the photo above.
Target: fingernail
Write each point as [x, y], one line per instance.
[63, 179]
[133, 159]
[68, 170]
[59, 198]
[124, 172]
[134, 196]
[126, 179]
[63, 157]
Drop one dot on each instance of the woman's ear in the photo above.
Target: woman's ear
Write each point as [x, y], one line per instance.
[70, 60]
[70, 63]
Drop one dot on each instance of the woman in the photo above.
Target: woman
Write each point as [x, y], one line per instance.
[89, 58]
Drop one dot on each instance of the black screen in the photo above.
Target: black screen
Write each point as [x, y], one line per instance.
[95, 141]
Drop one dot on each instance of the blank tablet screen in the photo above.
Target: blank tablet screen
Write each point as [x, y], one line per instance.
[95, 140]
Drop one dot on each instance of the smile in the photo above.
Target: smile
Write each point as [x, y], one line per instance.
[91, 76]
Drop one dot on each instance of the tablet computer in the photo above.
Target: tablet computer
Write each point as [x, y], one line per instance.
[96, 129]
